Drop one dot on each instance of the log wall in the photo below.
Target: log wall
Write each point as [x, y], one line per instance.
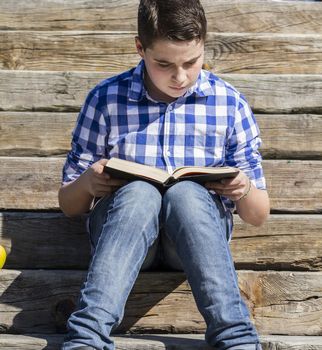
[270, 50]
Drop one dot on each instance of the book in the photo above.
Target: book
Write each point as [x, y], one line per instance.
[128, 170]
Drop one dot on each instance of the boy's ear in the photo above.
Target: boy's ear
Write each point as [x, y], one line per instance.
[139, 47]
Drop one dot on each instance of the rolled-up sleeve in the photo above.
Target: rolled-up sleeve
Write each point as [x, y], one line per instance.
[242, 150]
[88, 139]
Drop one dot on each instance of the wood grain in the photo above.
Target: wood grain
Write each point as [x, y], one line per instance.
[36, 133]
[52, 241]
[279, 302]
[65, 91]
[114, 52]
[156, 342]
[286, 136]
[33, 183]
[291, 136]
[234, 16]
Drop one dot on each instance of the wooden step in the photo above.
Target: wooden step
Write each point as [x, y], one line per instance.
[156, 342]
[33, 183]
[286, 136]
[66, 91]
[114, 52]
[53, 241]
[40, 301]
[233, 16]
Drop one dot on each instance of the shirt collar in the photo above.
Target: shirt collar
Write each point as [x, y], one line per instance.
[201, 88]
[137, 89]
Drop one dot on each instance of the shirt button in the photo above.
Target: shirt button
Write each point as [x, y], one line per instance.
[168, 152]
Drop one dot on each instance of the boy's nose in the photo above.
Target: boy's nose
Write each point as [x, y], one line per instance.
[179, 76]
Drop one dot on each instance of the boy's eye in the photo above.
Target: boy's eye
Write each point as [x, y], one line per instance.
[163, 65]
[191, 63]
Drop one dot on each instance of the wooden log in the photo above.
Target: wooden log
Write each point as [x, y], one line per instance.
[33, 183]
[294, 185]
[65, 92]
[52, 241]
[30, 182]
[44, 240]
[114, 52]
[35, 133]
[291, 136]
[155, 342]
[286, 136]
[222, 16]
[279, 302]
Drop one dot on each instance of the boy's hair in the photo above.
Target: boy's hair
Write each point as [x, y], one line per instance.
[177, 20]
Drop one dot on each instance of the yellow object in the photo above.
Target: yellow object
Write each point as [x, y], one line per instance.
[3, 256]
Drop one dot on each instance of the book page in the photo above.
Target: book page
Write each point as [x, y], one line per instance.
[195, 170]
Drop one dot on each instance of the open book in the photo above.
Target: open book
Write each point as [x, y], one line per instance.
[124, 169]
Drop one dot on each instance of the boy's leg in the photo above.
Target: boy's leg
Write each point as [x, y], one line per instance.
[128, 224]
[198, 227]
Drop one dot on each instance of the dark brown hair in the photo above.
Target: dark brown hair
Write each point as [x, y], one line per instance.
[177, 20]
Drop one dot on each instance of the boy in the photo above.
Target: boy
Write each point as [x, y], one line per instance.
[167, 112]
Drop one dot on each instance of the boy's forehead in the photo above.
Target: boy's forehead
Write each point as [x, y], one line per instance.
[170, 51]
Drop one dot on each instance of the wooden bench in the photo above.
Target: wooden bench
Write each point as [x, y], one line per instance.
[51, 54]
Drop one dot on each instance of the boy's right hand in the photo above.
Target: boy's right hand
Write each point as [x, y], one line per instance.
[98, 183]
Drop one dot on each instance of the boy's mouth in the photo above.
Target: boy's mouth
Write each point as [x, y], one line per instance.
[178, 88]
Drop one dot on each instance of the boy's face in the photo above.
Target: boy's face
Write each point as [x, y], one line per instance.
[172, 67]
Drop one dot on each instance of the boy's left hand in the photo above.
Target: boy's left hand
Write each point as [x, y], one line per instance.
[234, 189]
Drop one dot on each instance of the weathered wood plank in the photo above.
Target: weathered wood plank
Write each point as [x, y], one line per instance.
[156, 342]
[35, 133]
[291, 136]
[279, 93]
[113, 52]
[287, 136]
[233, 16]
[279, 302]
[44, 240]
[294, 185]
[52, 241]
[33, 183]
[46, 91]
[65, 92]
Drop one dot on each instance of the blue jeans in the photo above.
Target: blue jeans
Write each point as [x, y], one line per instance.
[196, 230]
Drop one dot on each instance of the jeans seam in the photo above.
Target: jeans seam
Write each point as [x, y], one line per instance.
[212, 203]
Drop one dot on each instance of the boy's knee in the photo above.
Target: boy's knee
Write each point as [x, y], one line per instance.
[185, 194]
[142, 192]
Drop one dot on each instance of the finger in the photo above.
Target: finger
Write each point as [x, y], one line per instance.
[101, 180]
[233, 195]
[103, 161]
[214, 185]
[117, 182]
[107, 191]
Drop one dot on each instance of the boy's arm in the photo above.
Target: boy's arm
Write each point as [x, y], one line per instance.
[252, 204]
[76, 197]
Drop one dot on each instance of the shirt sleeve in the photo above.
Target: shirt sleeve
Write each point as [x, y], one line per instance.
[243, 144]
[89, 137]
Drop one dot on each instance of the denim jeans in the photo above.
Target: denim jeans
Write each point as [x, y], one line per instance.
[124, 229]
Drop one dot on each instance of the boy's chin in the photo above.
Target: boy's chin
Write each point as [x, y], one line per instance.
[176, 93]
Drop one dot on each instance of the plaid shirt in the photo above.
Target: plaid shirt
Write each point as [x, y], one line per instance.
[210, 125]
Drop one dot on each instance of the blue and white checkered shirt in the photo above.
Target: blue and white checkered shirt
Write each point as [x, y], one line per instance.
[210, 125]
